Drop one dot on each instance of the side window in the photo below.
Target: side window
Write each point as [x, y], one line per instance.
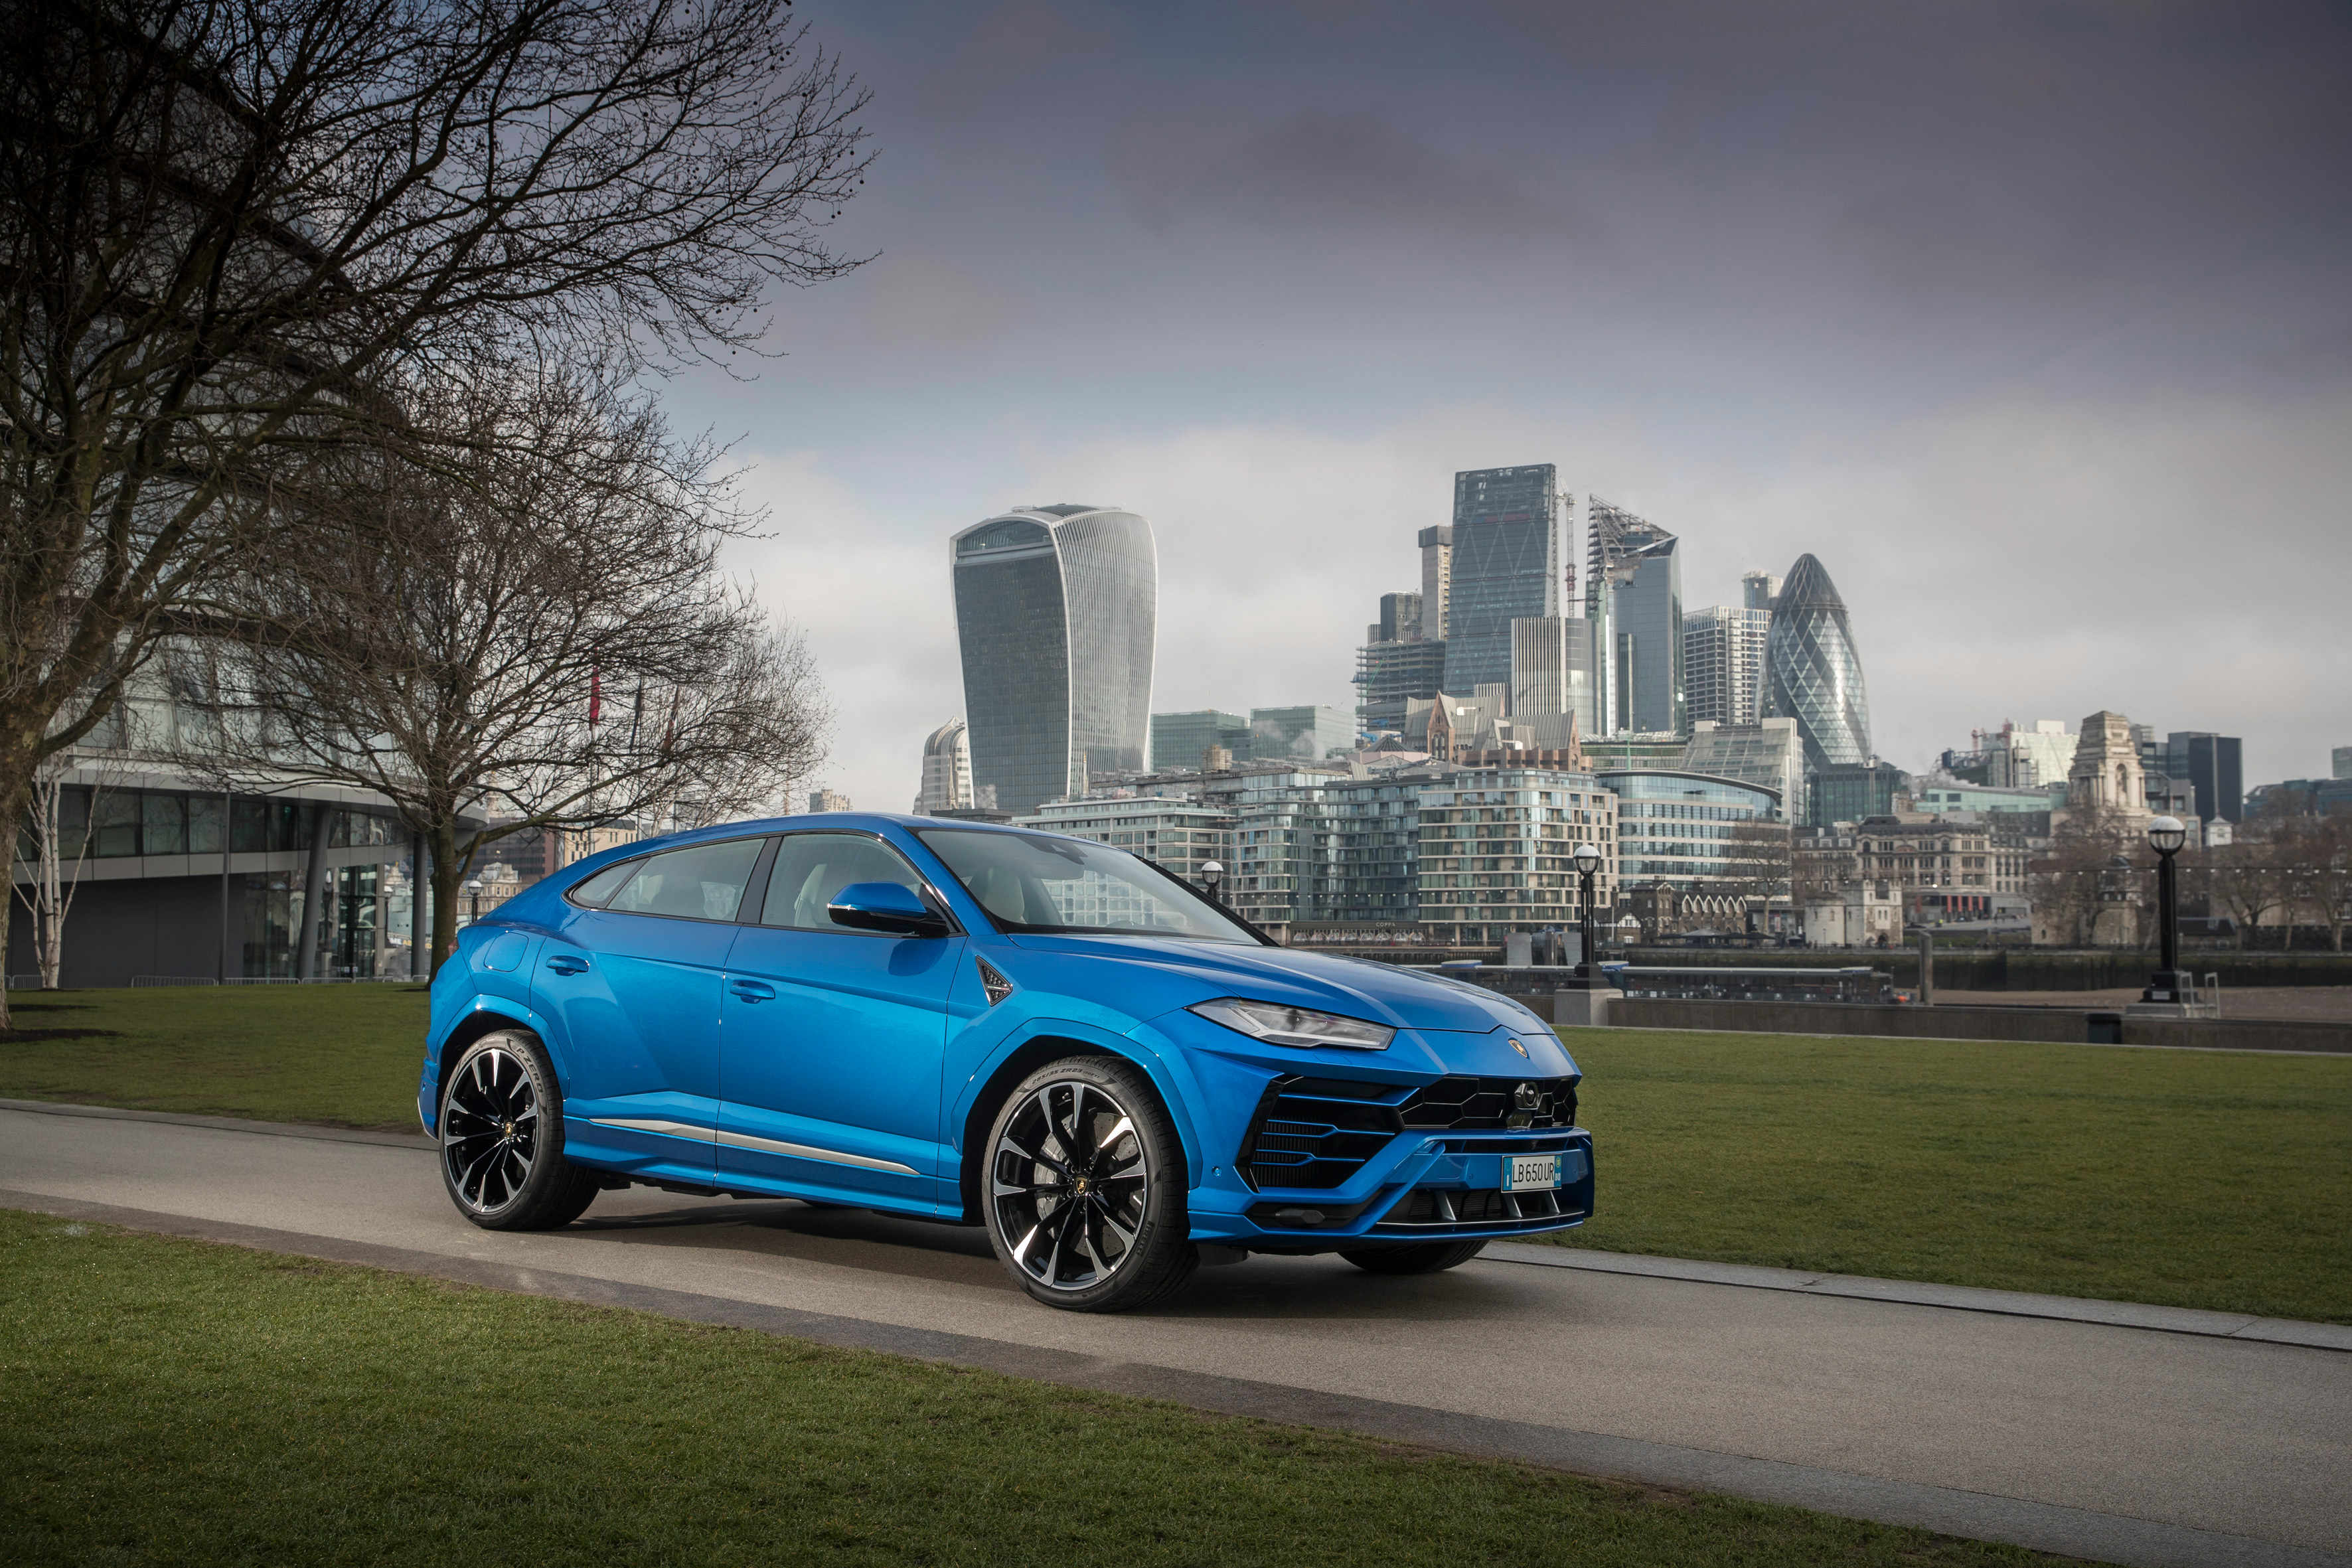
[605, 883]
[704, 882]
[811, 867]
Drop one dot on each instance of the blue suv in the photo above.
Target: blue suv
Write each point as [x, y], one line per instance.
[1052, 1038]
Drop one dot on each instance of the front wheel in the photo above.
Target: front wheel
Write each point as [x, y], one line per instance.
[1427, 1257]
[1085, 1201]
[502, 1139]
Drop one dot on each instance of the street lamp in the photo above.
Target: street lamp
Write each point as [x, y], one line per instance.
[2166, 835]
[1588, 862]
[1212, 874]
[473, 888]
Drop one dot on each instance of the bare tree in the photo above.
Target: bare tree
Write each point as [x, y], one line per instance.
[60, 821]
[1757, 864]
[2328, 860]
[2071, 880]
[521, 625]
[2246, 878]
[220, 223]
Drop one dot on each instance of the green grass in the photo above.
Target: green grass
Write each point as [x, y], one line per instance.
[2187, 1178]
[344, 1055]
[167, 1400]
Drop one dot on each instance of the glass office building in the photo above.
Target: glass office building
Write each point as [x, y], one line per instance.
[1813, 674]
[1503, 567]
[1056, 610]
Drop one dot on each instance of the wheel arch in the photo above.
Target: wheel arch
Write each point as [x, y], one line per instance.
[1025, 1058]
[485, 1018]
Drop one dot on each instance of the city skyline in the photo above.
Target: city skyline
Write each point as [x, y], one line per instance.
[1968, 356]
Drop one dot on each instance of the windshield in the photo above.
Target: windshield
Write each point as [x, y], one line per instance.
[1035, 882]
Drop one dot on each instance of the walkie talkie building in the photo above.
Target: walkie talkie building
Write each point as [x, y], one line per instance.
[1055, 609]
[1814, 673]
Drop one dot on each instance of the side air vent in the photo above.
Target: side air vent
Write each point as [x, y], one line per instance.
[1314, 1133]
[995, 984]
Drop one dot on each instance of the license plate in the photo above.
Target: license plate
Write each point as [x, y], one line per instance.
[1530, 1173]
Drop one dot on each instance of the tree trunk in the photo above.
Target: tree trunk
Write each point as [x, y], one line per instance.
[447, 876]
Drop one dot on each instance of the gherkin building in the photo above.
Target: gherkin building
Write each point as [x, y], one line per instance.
[1814, 673]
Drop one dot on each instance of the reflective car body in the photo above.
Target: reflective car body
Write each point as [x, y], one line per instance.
[722, 1051]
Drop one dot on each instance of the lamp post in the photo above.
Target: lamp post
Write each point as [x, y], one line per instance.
[1588, 862]
[1212, 874]
[2166, 835]
[474, 893]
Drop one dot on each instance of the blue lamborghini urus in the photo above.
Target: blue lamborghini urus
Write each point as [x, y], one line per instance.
[1054, 1039]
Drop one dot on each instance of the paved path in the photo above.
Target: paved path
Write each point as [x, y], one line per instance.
[2101, 1439]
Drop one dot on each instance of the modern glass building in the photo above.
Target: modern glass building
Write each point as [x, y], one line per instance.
[1633, 589]
[1307, 733]
[1055, 609]
[1852, 792]
[1813, 674]
[1504, 567]
[1180, 740]
[2211, 765]
[1679, 828]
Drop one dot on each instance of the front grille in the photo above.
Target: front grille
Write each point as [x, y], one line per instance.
[1480, 1104]
[1441, 1208]
[1313, 1133]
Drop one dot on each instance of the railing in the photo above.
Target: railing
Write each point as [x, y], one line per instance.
[1857, 985]
[149, 980]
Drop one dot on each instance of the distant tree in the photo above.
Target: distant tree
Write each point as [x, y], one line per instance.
[519, 625]
[2247, 879]
[221, 226]
[1757, 865]
[2070, 881]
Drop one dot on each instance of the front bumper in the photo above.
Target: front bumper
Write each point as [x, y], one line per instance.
[1423, 1188]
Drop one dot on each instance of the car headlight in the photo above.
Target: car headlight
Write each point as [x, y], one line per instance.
[1280, 1024]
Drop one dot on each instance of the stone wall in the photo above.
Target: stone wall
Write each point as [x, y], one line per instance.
[2055, 1025]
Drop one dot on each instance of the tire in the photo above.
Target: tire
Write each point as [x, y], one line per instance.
[502, 1139]
[1427, 1257]
[1083, 1188]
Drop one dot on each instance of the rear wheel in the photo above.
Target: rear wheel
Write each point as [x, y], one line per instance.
[1085, 1200]
[502, 1139]
[1428, 1257]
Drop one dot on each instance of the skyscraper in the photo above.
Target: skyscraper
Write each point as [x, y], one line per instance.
[1504, 567]
[1437, 578]
[1634, 579]
[1723, 663]
[1552, 670]
[1055, 608]
[2211, 765]
[947, 770]
[1813, 674]
[1758, 590]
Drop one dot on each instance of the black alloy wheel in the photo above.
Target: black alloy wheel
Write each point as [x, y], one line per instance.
[502, 1139]
[1086, 1196]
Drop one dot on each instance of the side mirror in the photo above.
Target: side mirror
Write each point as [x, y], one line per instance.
[885, 907]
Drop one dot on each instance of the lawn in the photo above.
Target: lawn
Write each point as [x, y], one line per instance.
[2188, 1178]
[344, 1055]
[169, 1400]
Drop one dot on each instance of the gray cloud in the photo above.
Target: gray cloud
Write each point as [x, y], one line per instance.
[1341, 171]
[916, 301]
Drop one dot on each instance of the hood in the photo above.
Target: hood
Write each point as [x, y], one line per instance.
[1190, 972]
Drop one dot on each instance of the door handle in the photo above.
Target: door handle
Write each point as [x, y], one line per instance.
[752, 990]
[567, 962]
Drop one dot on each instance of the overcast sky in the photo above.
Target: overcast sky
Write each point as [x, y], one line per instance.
[2032, 323]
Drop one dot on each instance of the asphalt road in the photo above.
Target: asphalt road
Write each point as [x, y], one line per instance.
[2105, 1441]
